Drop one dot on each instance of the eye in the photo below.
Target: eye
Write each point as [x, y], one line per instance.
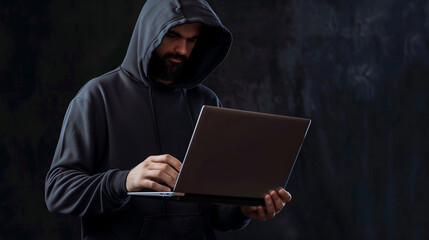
[192, 40]
[172, 35]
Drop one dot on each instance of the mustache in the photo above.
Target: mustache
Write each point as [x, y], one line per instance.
[178, 56]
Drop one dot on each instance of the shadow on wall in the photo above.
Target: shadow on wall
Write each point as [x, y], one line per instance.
[358, 69]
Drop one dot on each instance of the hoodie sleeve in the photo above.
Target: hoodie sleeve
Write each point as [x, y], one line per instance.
[72, 184]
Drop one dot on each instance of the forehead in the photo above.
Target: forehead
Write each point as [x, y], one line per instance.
[187, 30]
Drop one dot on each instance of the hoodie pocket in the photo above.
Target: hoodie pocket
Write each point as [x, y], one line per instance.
[176, 227]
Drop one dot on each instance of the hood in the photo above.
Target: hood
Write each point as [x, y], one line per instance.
[156, 18]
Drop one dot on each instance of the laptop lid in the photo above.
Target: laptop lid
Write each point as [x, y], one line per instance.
[240, 154]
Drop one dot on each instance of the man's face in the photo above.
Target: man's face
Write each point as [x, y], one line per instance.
[167, 63]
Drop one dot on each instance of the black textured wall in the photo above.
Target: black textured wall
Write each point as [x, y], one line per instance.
[358, 69]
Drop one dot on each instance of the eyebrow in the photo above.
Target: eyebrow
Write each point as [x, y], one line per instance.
[176, 34]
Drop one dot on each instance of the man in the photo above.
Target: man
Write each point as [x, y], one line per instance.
[140, 116]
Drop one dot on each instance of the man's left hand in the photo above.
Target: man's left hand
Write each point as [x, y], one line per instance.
[274, 202]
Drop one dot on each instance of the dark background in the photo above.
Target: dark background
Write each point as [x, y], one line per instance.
[358, 69]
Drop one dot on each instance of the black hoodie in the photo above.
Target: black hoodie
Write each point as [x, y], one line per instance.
[119, 119]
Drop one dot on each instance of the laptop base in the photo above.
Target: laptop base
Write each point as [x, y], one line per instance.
[189, 197]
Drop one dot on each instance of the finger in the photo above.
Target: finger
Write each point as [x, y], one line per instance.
[249, 211]
[174, 162]
[170, 160]
[261, 213]
[269, 206]
[278, 203]
[160, 176]
[149, 184]
[252, 209]
[165, 168]
[284, 195]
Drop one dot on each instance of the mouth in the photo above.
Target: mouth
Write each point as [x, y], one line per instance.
[175, 60]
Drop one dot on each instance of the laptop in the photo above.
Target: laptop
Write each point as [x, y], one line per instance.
[236, 157]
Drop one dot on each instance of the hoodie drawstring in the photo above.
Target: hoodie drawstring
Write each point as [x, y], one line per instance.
[158, 141]
[189, 109]
[155, 123]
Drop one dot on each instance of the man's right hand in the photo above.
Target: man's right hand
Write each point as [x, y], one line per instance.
[153, 171]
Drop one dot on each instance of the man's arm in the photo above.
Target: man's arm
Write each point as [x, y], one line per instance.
[80, 181]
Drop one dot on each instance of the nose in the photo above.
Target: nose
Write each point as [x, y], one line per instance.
[181, 47]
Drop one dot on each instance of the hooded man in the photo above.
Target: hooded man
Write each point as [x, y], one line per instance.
[140, 116]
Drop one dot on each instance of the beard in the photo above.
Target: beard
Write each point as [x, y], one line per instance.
[160, 67]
